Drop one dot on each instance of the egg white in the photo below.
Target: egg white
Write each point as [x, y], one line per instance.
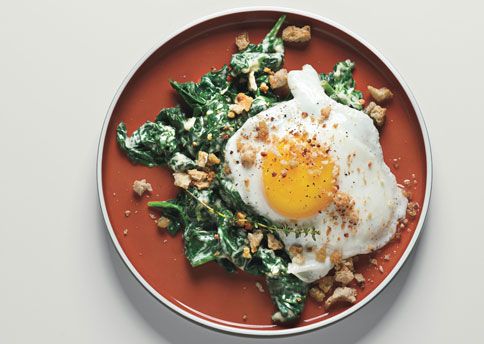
[365, 177]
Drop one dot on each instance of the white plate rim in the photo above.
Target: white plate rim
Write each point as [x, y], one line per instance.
[288, 331]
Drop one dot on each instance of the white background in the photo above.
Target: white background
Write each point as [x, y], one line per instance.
[60, 65]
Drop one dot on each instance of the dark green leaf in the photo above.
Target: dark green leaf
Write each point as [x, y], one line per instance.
[340, 85]
[151, 145]
[174, 212]
[288, 293]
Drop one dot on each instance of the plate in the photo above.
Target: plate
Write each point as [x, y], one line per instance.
[207, 294]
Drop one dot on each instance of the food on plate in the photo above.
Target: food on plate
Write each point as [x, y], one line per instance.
[281, 173]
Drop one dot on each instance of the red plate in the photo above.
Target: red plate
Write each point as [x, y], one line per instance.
[208, 294]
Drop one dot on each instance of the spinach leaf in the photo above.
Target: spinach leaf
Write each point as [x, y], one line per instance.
[179, 162]
[288, 293]
[173, 117]
[151, 145]
[266, 262]
[269, 53]
[173, 211]
[201, 246]
[340, 85]
[209, 100]
[207, 94]
[232, 240]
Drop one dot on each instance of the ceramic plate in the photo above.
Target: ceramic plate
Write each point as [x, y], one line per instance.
[207, 294]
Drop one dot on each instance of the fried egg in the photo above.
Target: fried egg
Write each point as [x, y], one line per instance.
[312, 163]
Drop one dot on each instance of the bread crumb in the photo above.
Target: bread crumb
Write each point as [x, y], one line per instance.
[344, 276]
[377, 113]
[263, 87]
[262, 131]
[202, 158]
[246, 253]
[360, 279]
[244, 100]
[317, 294]
[163, 222]
[213, 159]
[182, 180]
[255, 240]
[242, 41]
[325, 112]
[341, 295]
[273, 243]
[326, 283]
[321, 254]
[247, 157]
[125, 231]
[259, 287]
[294, 34]
[127, 213]
[412, 209]
[279, 80]
[380, 95]
[335, 257]
[140, 186]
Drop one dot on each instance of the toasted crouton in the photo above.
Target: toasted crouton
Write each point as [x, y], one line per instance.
[294, 34]
[341, 295]
[140, 186]
[242, 41]
[377, 113]
[380, 95]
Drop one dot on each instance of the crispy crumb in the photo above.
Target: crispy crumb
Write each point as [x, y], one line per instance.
[197, 175]
[246, 253]
[244, 100]
[325, 112]
[247, 157]
[125, 231]
[386, 257]
[373, 261]
[273, 243]
[244, 317]
[163, 222]
[344, 276]
[127, 213]
[267, 70]
[360, 279]
[412, 209]
[341, 295]
[263, 87]
[317, 294]
[141, 186]
[335, 257]
[262, 131]
[182, 180]
[202, 158]
[294, 34]
[380, 268]
[326, 283]
[377, 113]
[278, 81]
[236, 108]
[255, 240]
[242, 41]
[213, 159]
[380, 95]
[259, 286]
[320, 254]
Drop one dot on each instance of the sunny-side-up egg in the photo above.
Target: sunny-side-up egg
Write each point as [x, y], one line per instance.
[311, 162]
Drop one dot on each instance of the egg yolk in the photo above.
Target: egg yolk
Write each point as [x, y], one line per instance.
[298, 177]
